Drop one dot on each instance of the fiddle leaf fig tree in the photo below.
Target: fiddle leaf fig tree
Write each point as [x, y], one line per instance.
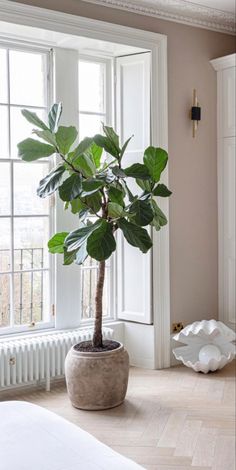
[93, 180]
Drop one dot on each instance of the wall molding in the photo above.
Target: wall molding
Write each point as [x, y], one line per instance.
[179, 11]
[224, 62]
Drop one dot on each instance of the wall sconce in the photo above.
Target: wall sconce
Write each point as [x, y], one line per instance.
[195, 113]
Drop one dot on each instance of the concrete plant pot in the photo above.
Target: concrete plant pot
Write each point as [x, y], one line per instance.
[97, 380]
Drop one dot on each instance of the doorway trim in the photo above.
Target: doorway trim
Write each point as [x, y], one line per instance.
[28, 15]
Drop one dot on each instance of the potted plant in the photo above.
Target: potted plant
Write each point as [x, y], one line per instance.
[94, 185]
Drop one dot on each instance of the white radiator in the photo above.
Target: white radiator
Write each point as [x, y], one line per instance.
[38, 358]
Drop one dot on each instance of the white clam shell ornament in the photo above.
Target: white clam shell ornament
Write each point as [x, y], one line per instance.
[208, 345]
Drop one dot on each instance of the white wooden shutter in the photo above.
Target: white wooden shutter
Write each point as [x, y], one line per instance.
[134, 280]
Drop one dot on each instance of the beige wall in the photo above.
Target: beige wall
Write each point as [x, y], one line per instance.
[192, 164]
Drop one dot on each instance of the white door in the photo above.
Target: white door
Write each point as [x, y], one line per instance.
[133, 118]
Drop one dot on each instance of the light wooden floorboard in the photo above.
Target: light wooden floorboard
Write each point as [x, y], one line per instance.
[205, 447]
[173, 419]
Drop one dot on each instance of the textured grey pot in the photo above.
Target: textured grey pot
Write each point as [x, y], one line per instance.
[97, 380]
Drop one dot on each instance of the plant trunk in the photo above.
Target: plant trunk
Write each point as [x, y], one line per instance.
[97, 336]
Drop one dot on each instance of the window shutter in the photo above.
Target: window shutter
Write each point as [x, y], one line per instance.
[134, 280]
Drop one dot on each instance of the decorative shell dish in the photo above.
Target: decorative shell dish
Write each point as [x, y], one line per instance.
[196, 337]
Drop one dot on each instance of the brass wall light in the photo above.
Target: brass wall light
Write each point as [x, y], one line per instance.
[195, 113]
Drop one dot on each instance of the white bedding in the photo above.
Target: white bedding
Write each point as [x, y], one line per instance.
[32, 438]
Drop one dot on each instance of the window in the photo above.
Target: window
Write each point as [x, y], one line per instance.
[94, 108]
[25, 272]
[26, 221]
[92, 100]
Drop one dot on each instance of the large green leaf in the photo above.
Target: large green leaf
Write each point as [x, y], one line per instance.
[116, 195]
[115, 210]
[155, 160]
[101, 243]
[83, 214]
[112, 136]
[69, 257]
[54, 116]
[94, 202]
[65, 137]
[56, 243]
[76, 205]
[81, 254]
[137, 170]
[30, 150]
[51, 182]
[85, 164]
[161, 190]
[33, 119]
[46, 135]
[77, 238]
[146, 185]
[159, 219]
[83, 146]
[106, 144]
[141, 211]
[96, 153]
[91, 186]
[124, 147]
[117, 171]
[71, 187]
[135, 235]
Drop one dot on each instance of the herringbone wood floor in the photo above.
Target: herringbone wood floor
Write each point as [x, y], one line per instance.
[172, 419]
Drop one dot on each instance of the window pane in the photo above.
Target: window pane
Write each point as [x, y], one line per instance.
[31, 297]
[90, 261]
[30, 242]
[27, 78]
[4, 300]
[26, 181]
[4, 152]
[20, 128]
[91, 87]
[89, 277]
[88, 282]
[89, 125]
[5, 193]
[5, 243]
[3, 76]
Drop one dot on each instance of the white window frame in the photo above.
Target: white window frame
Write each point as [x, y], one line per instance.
[42, 325]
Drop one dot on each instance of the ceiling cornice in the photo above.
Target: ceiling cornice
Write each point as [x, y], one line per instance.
[179, 11]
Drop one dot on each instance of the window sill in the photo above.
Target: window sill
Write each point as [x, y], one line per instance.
[45, 331]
